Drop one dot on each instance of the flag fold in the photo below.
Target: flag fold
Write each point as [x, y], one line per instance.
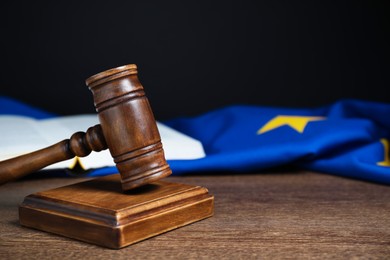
[348, 138]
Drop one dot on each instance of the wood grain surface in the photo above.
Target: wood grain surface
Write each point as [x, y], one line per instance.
[279, 215]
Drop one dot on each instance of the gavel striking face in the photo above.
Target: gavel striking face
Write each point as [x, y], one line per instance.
[127, 127]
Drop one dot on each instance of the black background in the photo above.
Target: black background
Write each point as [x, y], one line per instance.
[194, 56]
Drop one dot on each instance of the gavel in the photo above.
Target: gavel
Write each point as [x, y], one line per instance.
[127, 128]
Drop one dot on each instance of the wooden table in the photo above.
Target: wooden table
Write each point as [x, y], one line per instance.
[270, 215]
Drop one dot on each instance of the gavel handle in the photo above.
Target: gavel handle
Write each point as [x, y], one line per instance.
[80, 144]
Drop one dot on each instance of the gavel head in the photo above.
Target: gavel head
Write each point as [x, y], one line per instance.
[128, 125]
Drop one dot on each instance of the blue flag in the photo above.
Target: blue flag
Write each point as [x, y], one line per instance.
[9, 106]
[349, 138]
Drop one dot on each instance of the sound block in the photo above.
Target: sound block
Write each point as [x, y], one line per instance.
[99, 212]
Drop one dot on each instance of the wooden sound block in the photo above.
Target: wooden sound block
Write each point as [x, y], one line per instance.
[99, 212]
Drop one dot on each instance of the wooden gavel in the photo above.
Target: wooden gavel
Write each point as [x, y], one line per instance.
[127, 127]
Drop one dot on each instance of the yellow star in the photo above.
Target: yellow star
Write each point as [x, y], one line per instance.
[296, 122]
[386, 162]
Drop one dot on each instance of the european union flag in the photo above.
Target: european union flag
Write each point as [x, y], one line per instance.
[348, 138]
